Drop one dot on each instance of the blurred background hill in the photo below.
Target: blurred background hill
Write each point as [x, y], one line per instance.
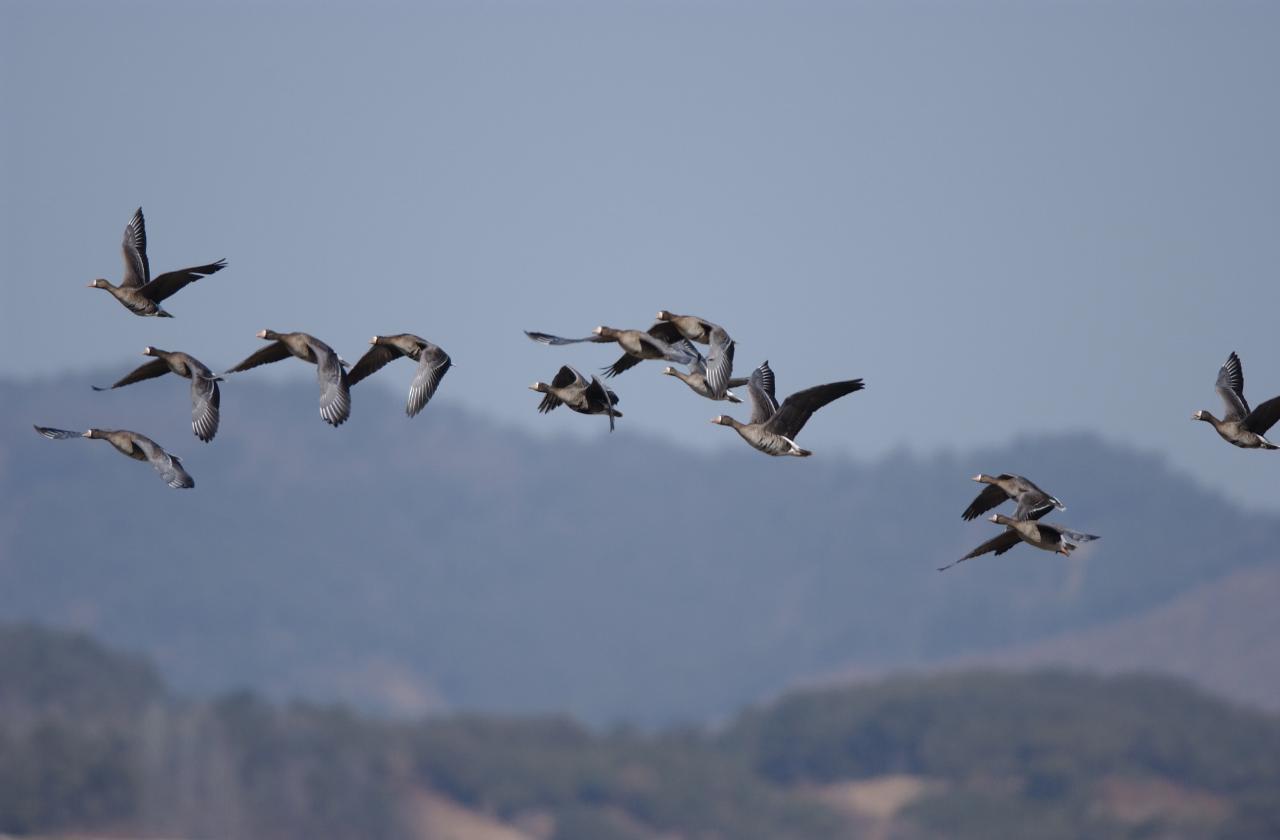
[456, 563]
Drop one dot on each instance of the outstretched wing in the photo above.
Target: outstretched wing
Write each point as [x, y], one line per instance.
[626, 362]
[555, 340]
[169, 282]
[433, 364]
[371, 362]
[168, 466]
[1230, 386]
[1263, 417]
[666, 332]
[719, 363]
[56, 434]
[796, 409]
[205, 401]
[999, 545]
[760, 388]
[276, 351]
[991, 496]
[335, 394]
[137, 272]
[152, 369]
[597, 394]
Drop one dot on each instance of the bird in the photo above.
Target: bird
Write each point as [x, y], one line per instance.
[1003, 487]
[571, 388]
[138, 292]
[690, 326]
[335, 396]
[136, 446]
[697, 381]
[205, 398]
[433, 364]
[773, 428]
[1241, 427]
[1042, 535]
[660, 341]
[712, 377]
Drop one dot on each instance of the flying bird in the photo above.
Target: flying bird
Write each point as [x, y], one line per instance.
[138, 292]
[1042, 535]
[1001, 488]
[572, 389]
[136, 446]
[773, 428]
[335, 396]
[433, 364]
[205, 397]
[661, 341]
[1241, 426]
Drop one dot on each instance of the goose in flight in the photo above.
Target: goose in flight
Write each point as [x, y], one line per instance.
[205, 397]
[690, 326]
[136, 446]
[712, 377]
[773, 428]
[335, 396]
[433, 364]
[1042, 535]
[571, 388]
[1241, 426]
[1001, 488]
[138, 292]
[661, 341]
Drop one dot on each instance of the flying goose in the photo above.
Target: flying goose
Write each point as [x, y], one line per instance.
[1241, 427]
[136, 446]
[1042, 535]
[661, 341]
[205, 397]
[433, 364]
[1004, 487]
[137, 292]
[690, 326]
[571, 388]
[335, 398]
[773, 428]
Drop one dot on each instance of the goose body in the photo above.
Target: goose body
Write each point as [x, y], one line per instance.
[1001, 488]
[773, 427]
[335, 395]
[136, 446]
[570, 388]
[433, 364]
[138, 291]
[696, 379]
[1240, 426]
[205, 397]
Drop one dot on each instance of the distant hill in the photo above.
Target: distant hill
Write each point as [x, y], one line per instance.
[1037, 756]
[450, 562]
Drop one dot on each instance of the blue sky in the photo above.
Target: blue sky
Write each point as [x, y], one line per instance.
[1008, 217]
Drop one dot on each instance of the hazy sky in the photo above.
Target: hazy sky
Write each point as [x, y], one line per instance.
[1007, 217]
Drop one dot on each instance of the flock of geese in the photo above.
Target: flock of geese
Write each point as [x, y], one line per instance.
[772, 429]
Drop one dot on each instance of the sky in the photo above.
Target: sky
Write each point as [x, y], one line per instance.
[1009, 218]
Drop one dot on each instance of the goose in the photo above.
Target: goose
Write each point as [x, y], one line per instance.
[571, 388]
[136, 446]
[205, 397]
[137, 292]
[1241, 427]
[690, 326]
[1004, 487]
[1042, 535]
[433, 364]
[773, 428]
[335, 397]
[696, 379]
[660, 341]
[711, 377]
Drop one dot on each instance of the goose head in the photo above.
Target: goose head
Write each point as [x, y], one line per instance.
[269, 335]
[100, 283]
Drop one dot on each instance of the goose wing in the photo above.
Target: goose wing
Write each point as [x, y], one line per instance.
[624, 363]
[666, 332]
[598, 395]
[433, 364]
[1263, 417]
[555, 340]
[719, 366]
[137, 272]
[1230, 386]
[152, 369]
[168, 466]
[276, 351]
[999, 545]
[205, 400]
[171, 281]
[796, 409]
[335, 394]
[56, 434]
[990, 497]
[374, 359]
[760, 389]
